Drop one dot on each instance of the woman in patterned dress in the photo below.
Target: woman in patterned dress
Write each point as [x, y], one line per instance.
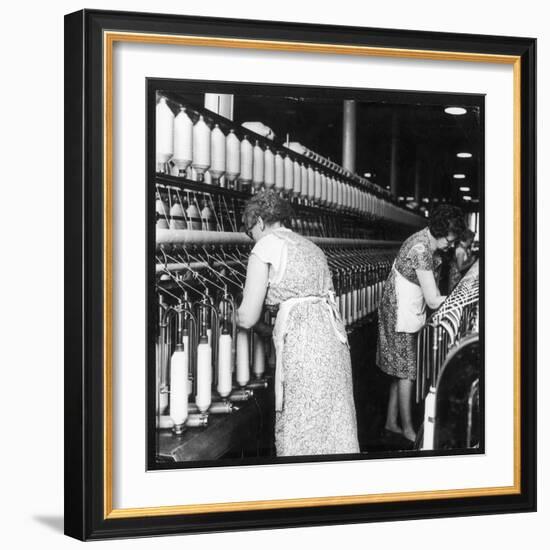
[411, 285]
[462, 258]
[315, 411]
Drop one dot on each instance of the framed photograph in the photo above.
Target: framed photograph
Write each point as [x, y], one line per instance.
[300, 274]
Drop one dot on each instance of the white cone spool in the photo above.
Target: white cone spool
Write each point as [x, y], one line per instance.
[185, 341]
[429, 421]
[296, 178]
[330, 184]
[258, 166]
[207, 219]
[259, 356]
[310, 183]
[217, 166]
[161, 208]
[201, 146]
[269, 168]
[179, 366]
[232, 156]
[193, 217]
[247, 162]
[164, 132]
[317, 191]
[183, 141]
[177, 220]
[288, 179]
[203, 397]
[370, 307]
[324, 191]
[225, 366]
[243, 358]
[304, 179]
[279, 172]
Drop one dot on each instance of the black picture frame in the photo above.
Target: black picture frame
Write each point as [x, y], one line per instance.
[88, 510]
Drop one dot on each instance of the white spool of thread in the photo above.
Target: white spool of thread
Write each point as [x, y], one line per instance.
[201, 146]
[258, 166]
[429, 421]
[225, 366]
[269, 168]
[339, 194]
[164, 133]
[203, 397]
[161, 209]
[317, 189]
[218, 145]
[208, 220]
[330, 186]
[193, 217]
[296, 178]
[303, 180]
[185, 341]
[247, 161]
[343, 308]
[259, 356]
[324, 190]
[279, 172]
[370, 307]
[177, 220]
[233, 156]
[289, 175]
[310, 183]
[179, 366]
[351, 313]
[243, 358]
[183, 141]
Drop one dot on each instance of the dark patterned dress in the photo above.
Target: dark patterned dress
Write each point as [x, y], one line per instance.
[454, 273]
[396, 353]
[318, 411]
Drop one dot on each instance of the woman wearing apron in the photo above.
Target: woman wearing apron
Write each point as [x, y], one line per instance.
[411, 286]
[315, 411]
[462, 258]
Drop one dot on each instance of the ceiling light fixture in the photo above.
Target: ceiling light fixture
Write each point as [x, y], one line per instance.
[467, 198]
[459, 176]
[367, 175]
[464, 188]
[455, 111]
[464, 155]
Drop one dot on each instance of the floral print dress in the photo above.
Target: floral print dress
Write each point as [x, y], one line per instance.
[396, 353]
[318, 412]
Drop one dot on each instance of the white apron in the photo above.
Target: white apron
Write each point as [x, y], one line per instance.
[411, 306]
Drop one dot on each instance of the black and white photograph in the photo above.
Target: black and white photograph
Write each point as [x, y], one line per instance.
[315, 258]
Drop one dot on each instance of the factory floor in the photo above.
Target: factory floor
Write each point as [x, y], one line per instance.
[371, 390]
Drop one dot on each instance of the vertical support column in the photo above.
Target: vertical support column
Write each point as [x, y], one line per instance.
[221, 104]
[394, 165]
[417, 175]
[349, 135]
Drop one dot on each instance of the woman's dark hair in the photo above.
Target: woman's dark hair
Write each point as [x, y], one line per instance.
[268, 205]
[446, 219]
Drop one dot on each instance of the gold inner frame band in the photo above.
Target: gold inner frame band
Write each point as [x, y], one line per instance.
[109, 39]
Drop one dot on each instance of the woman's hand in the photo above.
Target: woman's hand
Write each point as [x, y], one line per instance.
[429, 288]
